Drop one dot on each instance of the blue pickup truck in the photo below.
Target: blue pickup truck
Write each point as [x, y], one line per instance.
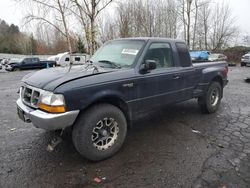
[28, 63]
[125, 77]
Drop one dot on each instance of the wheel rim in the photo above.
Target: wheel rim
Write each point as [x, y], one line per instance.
[105, 133]
[214, 98]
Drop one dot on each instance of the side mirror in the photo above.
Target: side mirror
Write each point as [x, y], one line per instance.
[148, 65]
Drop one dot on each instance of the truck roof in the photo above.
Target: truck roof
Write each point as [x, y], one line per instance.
[152, 38]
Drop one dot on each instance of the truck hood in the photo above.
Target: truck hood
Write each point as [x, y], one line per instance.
[60, 75]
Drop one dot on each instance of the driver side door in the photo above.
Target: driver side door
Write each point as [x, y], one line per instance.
[26, 63]
[160, 86]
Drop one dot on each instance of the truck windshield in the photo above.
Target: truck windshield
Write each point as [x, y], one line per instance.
[15, 61]
[118, 54]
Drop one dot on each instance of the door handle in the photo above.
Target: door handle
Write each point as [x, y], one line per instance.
[176, 77]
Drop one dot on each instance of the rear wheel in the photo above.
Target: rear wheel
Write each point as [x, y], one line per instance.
[210, 101]
[99, 132]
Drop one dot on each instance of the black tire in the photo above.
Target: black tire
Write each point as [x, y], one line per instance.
[210, 102]
[242, 64]
[87, 125]
[16, 69]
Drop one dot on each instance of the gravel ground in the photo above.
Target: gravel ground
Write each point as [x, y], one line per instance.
[161, 150]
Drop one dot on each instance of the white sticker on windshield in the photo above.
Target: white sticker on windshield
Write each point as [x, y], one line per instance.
[130, 51]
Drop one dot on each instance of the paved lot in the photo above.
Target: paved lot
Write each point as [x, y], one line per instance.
[160, 151]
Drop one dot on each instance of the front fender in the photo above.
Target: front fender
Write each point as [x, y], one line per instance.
[105, 94]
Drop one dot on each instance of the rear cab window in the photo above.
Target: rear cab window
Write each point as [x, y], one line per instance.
[183, 53]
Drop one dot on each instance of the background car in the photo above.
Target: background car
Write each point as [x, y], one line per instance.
[1, 64]
[28, 63]
[5, 61]
[198, 56]
[245, 60]
[63, 59]
[217, 57]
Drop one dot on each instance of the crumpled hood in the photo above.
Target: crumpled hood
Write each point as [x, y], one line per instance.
[60, 75]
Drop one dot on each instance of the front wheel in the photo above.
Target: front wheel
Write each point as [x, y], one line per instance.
[210, 101]
[16, 69]
[99, 132]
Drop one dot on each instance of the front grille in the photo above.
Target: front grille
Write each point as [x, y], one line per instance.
[245, 57]
[30, 96]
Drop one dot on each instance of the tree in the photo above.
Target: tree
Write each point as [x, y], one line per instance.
[53, 13]
[223, 28]
[33, 45]
[124, 21]
[91, 9]
[185, 12]
[204, 15]
[188, 12]
[108, 28]
[13, 29]
[80, 45]
[203, 24]
[157, 18]
[10, 37]
[200, 26]
[246, 40]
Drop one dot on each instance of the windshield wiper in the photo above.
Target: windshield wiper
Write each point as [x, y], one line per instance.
[90, 64]
[115, 65]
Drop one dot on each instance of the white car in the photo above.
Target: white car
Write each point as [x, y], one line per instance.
[245, 60]
[217, 57]
[63, 59]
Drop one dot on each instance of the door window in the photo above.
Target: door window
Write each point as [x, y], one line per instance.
[77, 58]
[161, 53]
[27, 61]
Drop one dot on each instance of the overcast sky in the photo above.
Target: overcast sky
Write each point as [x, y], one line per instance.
[11, 13]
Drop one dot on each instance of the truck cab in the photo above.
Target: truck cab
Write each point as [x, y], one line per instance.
[28, 63]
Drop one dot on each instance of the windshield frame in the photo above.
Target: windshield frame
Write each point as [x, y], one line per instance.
[133, 64]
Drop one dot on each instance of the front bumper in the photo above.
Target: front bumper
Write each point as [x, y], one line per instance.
[247, 63]
[8, 68]
[47, 121]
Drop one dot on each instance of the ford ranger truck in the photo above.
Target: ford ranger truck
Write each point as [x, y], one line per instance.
[124, 78]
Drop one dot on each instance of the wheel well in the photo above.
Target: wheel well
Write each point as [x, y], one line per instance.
[219, 80]
[118, 103]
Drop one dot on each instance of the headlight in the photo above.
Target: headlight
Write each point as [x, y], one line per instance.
[53, 103]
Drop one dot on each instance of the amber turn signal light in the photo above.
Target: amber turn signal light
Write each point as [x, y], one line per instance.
[52, 109]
